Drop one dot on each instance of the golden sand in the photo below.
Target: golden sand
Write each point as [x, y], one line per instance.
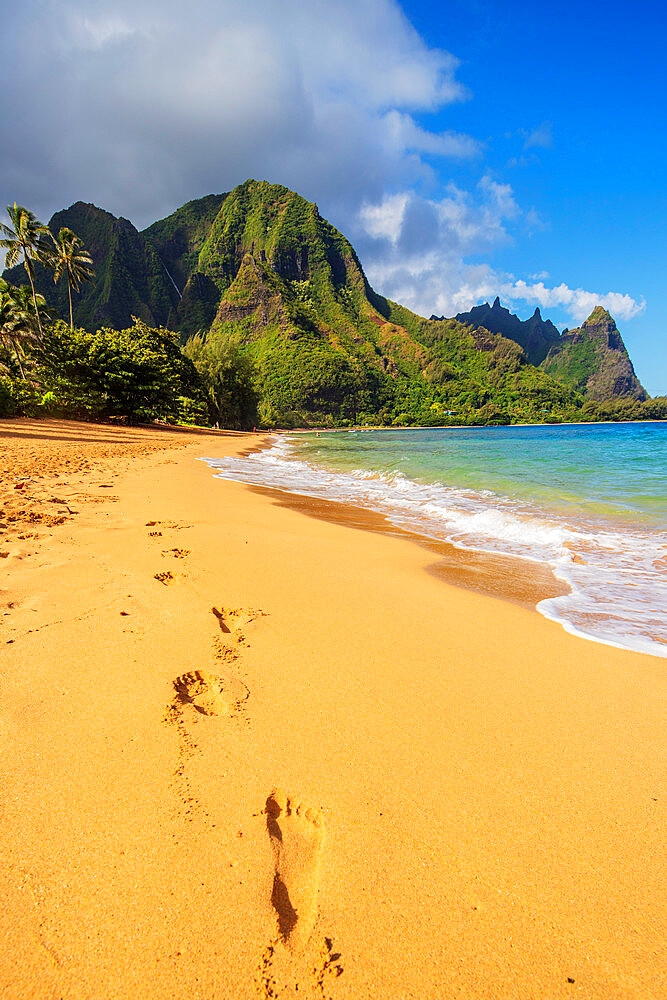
[249, 753]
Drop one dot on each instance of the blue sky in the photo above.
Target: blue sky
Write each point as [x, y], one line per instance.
[467, 148]
[583, 87]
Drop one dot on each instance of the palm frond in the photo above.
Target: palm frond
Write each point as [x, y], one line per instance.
[70, 258]
[13, 253]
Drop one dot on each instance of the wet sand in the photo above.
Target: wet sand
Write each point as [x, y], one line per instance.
[252, 753]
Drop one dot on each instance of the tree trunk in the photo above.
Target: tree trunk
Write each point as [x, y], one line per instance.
[18, 358]
[34, 297]
[69, 292]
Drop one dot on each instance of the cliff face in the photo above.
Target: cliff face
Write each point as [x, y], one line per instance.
[593, 360]
[178, 239]
[130, 278]
[534, 335]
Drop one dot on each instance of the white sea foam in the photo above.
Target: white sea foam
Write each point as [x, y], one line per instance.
[616, 575]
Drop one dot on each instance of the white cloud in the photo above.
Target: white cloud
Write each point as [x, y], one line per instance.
[418, 254]
[577, 302]
[159, 102]
[415, 248]
[385, 221]
[406, 134]
[534, 222]
[541, 137]
[94, 33]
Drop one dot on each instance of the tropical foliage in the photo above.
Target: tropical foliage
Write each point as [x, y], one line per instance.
[130, 278]
[228, 380]
[19, 329]
[73, 261]
[139, 373]
[26, 240]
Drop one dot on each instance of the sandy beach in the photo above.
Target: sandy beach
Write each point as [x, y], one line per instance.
[252, 753]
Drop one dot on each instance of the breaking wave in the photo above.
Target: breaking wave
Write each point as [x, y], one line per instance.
[617, 573]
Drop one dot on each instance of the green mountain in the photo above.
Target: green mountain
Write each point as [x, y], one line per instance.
[276, 281]
[130, 278]
[594, 360]
[259, 272]
[178, 241]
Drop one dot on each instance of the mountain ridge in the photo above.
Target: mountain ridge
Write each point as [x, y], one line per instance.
[534, 335]
[260, 270]
[592, 358]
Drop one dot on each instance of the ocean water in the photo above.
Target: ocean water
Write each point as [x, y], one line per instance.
[588, 500]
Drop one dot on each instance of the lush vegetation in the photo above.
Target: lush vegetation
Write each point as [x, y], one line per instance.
[19, 328]
[576, 364]
[129, 280]
[625, 408]
[227, 378]
[327, 350]
[179, 238]
[278, 326]
[25, 242]
[139, 374]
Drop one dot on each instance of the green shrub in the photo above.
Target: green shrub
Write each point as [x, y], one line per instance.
[139, 373]
[19, 397]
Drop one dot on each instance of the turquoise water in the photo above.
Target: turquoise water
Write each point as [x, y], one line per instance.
[618, 470]
[589, 500]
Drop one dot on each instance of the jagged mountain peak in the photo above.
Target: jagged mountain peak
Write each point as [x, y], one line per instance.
[130, 279]
[599, 316]
[534, 335]
[594, 359]
[83, 206]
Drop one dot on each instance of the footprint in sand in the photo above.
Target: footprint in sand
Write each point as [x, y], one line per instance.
[176, 553]
[297, 838]
[232, 621]
[175, 525]
[208, 695]
[165, 577]
[203, 691]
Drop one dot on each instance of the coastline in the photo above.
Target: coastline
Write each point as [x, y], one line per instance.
[488, 783]
[510, 578]
[581, 551]
[459, 427]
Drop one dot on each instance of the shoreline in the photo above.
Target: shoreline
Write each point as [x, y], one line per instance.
[520, 580]
[481, 790]
[507, 577]
[525, 579]
[455, 427]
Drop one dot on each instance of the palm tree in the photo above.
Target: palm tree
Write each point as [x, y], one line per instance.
[27, 238]
[18, 319]
[71, 259]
